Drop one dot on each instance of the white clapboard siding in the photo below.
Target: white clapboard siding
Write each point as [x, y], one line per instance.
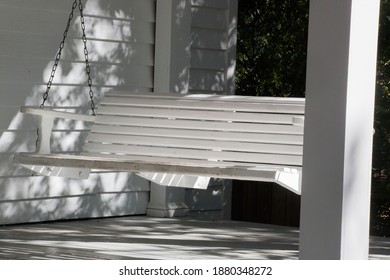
[121, 53]
[209, 61]
[217, 4]
[208, 72]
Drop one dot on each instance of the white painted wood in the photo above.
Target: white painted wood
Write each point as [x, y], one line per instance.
[198, 96]
[200, 134]
[204, 144]
[202, 38]
[199, 125]
[121, 53]
[34, 188]
[340, 89]
[46, 118]
[206, 17]
[74, 207]
[56, 171]
[158, 160]
[197, 115]
[208, 59]
[210, 48]
[231, 46]
[163, 45]
[173, 38]
[172, 58]
[212, 155]
[164, 202]
[216, 4]
[51, 114]
[274, 105]
[116, 145]
[287, 177]
[207, 81]
[177, 180]
[143, 74]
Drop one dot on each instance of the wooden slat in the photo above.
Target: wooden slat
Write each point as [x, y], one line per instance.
[200, 134]
[209, 97]
[179, 161]
[196, 154]
[56, 114]
[199, 125]
[266, 107]
[131, 165]
[91, 157]
[196, 115]
[209, 144]
[213, 97]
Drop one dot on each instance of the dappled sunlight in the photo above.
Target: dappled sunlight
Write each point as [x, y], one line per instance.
[148, 238]
[121, 55]
[119, 59]
[157, 238]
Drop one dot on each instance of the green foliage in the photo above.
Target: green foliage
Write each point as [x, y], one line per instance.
[271, 61]
[272, 39]
[381, 161]
[381, 153]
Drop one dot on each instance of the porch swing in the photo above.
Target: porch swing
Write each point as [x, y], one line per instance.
[174, 139]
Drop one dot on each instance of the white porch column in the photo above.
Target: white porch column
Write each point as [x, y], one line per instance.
[171, 74]
[166, 202]
[172, 46]
[340, 92]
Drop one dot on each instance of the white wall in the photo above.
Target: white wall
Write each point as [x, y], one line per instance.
[213, 40]
[121, 46]
[211, 70]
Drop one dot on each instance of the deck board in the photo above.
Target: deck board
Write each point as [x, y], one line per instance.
[140, 237]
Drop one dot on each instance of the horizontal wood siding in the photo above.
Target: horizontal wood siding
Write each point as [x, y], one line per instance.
[209, 46]
[121, 52]
[208, 73]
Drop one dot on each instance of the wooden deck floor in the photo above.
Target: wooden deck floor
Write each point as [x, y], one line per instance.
[154, 238]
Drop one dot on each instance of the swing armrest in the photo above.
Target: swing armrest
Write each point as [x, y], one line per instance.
[46, 123]
[56, 114]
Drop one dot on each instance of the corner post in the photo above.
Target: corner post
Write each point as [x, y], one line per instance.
[172, 46]
[340, 91]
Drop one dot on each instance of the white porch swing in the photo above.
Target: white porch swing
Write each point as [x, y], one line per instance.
[177, 140]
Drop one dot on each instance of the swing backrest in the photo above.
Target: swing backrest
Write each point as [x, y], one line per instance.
[232, 130]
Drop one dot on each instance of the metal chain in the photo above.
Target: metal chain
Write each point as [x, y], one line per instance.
[58, 56]
[87, 67]
[37, 141]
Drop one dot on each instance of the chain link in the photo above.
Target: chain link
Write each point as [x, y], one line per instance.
[87, 67]
[58, 56]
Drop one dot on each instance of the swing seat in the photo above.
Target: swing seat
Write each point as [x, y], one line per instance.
[182, 140]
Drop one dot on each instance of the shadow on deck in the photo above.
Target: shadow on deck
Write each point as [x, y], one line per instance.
[140, 237]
